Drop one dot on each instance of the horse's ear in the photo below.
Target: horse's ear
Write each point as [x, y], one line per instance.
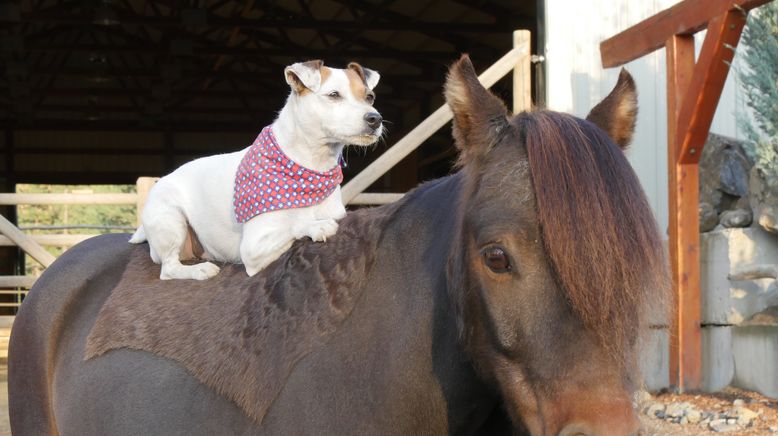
[478, 114]
[617, 113]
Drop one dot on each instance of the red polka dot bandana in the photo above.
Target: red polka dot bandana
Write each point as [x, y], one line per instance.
[267, 180]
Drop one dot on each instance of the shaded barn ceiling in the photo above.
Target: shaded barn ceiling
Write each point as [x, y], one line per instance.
[177, 66]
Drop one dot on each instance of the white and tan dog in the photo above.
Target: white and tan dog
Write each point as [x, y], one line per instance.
[327, 109]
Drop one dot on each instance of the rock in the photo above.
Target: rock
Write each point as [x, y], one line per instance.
[773, 429]
[736, 218]
[724, 172]
[677, 410]
[763, 186]
[721, 426]
[731, 421]
[708, 217]
[655, 409]
[743, 416]
[738, 402]
[641, 399]
[693, 416]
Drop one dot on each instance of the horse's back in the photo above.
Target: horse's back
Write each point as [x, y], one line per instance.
[78, 281]
[52, 388]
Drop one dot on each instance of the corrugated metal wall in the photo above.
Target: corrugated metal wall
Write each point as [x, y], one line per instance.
[577, 81]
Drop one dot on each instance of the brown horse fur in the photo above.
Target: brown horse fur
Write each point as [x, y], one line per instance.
[604, 249]
[242, 336]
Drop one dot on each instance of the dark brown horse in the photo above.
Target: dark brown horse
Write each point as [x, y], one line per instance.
[516, 287]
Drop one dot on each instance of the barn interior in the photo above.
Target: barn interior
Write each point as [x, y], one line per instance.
[105, 91]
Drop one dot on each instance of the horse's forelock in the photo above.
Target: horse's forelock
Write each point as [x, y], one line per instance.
[599, 233]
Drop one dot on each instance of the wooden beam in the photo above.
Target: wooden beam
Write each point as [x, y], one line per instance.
[368, 198]
[88, 199]
[56, 240]
[702, 97]
[271, 22]
[685, 348]
[252, 52]
[17, 282]
[25, 242]
[686, 17]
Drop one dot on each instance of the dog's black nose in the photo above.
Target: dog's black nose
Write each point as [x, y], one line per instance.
[373, 119]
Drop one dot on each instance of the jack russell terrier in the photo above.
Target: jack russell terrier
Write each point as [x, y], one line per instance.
[250, 206]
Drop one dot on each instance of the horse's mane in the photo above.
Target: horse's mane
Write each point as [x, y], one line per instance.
[599, 233]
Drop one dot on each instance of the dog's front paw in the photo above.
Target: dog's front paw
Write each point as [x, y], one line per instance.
[320, 230]
[204, 271]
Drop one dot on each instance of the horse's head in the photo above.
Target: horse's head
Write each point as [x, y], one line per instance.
[557, 257]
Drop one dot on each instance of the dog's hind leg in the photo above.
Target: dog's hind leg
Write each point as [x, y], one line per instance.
[166, 231]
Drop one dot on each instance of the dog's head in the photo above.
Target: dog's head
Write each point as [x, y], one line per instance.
[338, 102]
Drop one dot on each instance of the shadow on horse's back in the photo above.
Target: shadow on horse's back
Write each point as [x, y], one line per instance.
[472, 295]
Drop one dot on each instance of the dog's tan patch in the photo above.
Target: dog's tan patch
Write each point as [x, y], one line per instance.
[357, 84]
[242, 336]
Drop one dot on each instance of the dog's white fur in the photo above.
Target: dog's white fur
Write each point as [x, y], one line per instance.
[312, 129]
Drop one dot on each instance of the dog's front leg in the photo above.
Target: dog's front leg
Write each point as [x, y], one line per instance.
[262, 251]
[265, 238]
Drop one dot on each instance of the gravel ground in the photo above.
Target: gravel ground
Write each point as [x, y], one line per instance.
[732, 411]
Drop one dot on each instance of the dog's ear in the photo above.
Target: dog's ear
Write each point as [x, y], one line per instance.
[304, 76]
[370, 77]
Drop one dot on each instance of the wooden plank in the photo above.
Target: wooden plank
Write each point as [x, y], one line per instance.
[702, 97]
[88, 199]
[143, 187]
[25, 242]
[685, 335]
[425, 129]
[375, 198]
[17, 281]
[57, 240]
[522, 78]
[6, 321]
[686, 17]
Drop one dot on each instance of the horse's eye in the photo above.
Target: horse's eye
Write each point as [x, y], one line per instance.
[370, 98]
[496, 259]
[334, 95]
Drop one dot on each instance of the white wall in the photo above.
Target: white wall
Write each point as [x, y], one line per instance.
[576, 81]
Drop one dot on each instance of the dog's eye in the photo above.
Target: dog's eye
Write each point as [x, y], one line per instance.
[370, 98]
[334, 95]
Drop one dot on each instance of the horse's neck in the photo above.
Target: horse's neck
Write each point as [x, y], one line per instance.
[406, 300]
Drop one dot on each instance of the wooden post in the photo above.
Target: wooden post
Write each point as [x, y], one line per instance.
[685, 351]
[693, 92]
[522, 79]
[143, 186]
